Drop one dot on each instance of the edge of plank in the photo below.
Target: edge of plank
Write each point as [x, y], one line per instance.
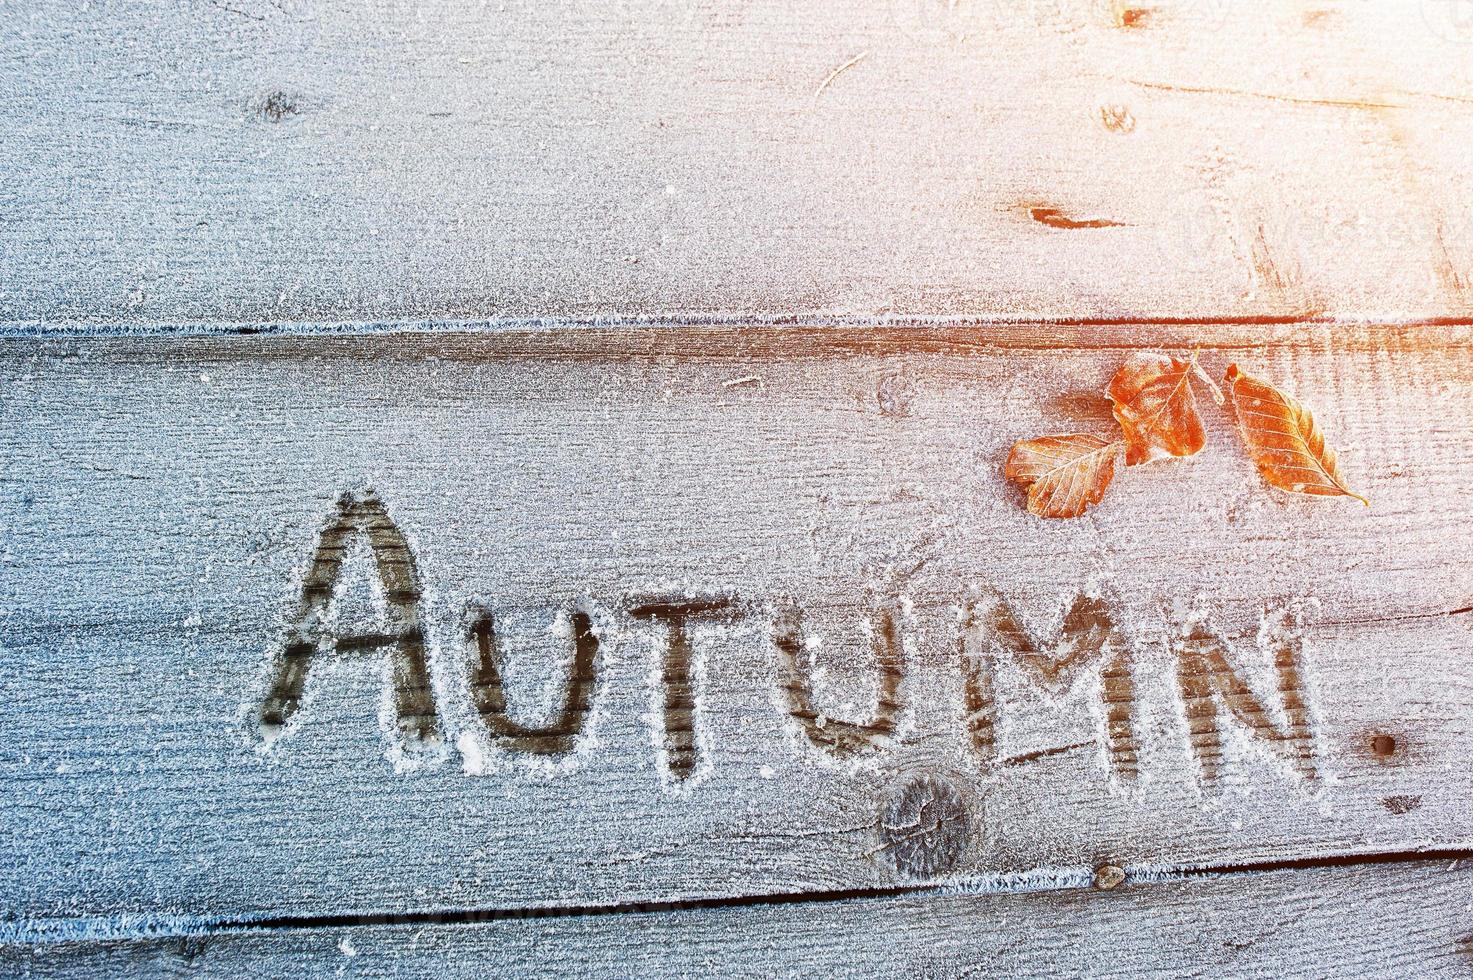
[722, 334]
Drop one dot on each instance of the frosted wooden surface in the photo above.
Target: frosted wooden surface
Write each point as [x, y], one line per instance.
[1396, 921]
[280, 160]
[162, 499]
[823, 499]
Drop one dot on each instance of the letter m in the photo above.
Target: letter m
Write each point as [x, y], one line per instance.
[1088, 635]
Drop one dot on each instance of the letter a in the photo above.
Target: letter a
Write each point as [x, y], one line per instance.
[414, 701]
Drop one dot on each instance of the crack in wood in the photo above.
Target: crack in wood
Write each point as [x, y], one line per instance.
[1034, 756]
[40, 931]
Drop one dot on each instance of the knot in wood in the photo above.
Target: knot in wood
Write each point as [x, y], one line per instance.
[1108, 876]
[895, 394]
[924, 825]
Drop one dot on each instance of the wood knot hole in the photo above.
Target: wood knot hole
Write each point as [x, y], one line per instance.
[1383, 746]
[924, 826]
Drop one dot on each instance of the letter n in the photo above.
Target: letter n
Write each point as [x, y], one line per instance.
[414, 702]
[1207, 680]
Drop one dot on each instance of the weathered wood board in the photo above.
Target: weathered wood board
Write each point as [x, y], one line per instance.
[185, 523]
[584, 498]
[254, 161]
[1312, 924]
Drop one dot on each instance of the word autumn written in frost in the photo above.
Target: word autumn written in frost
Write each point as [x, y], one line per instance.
[1214, 694]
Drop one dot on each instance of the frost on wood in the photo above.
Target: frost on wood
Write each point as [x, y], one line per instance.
[157, 552]
[1088, 638]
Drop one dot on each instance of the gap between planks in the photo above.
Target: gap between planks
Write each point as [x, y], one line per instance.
[756, 340]
[152, 927]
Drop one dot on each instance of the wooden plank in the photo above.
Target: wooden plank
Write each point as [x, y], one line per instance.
[179, 516]
[275, 160]
[1386, 921]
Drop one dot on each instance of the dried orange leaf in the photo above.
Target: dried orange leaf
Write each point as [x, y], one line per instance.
[1283, 439]
[1156, 408]
[1064, 475]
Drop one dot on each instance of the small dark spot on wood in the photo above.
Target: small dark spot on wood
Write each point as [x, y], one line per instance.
[1117, 119]
[1401, 805]
[924, 826]
[1133, 17]
[1383, 746]
[276, 106]
[191, 948]
[1109, 876]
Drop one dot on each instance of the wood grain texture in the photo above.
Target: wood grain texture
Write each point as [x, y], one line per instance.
[1392, 922]
[168, 504]
[279, 160]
